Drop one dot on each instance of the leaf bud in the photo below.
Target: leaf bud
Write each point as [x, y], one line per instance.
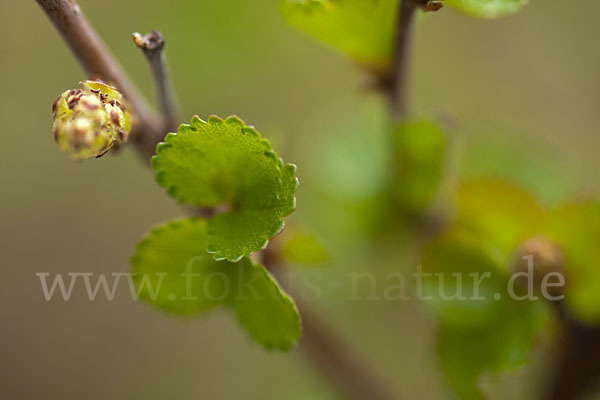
[536, 259]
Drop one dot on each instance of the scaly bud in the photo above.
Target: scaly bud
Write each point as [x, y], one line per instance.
[540, 256]
[88, 121]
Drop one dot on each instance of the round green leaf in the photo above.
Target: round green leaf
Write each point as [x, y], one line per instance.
[576, 228]
[228, 164]
[503, 214]
[364, 29]
[303, 247]
[173, 271]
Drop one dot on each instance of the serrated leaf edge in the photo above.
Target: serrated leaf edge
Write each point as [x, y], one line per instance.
[287, 171]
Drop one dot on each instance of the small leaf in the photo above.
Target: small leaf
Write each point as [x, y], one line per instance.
[483, 331]
[503, 214]
[174, 272]
[267, 313]
[191, 281]
[304, 248]
[364, 29]
[419, 154]
[487, 8]
[462, 268]
[501, 346]
[225, 162]
[576, 228]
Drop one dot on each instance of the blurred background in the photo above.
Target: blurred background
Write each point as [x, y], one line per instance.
[520, 94]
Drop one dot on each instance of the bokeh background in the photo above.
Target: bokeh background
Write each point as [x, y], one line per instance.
[521, 97]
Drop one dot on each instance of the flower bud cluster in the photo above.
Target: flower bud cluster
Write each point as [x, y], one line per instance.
[89, 121]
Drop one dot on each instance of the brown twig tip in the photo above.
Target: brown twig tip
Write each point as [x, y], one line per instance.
[429, 5]
[151, 42]
[152, 45]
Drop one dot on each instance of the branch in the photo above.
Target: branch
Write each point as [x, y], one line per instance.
[153, 45]
[396, 83]
[577, 368]
[98, 62]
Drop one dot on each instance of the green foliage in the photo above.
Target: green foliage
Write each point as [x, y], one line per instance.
[175, 273]
[364, 29]
[267, 313]
[576, 226]
[502, 214]
[419, 155]
[493, 219]
[460, 252]
[174, 249]
[226, 163]
[191, 266]
[304, 248]
[478, 332]
[487, 8]
[501, 346]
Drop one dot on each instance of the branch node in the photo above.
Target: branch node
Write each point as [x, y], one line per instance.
[150, 43]
[429, 5]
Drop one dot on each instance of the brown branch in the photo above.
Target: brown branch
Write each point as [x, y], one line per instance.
[98, 62]
[400, 70]
[153, 45]
[396, 82]
[577, 369]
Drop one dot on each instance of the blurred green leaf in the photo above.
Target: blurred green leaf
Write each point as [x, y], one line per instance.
[304, 248]
[501, 346]
[225, 162]
[503, 214]
[419, 154]
[174, 272]
[480, 331]
[364, 29]
[455, 261]
[487, 8]
[576, 228]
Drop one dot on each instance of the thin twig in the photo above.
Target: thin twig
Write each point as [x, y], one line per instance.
[99, 63]
[153, 45]
[396, 84]
[399, 90]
